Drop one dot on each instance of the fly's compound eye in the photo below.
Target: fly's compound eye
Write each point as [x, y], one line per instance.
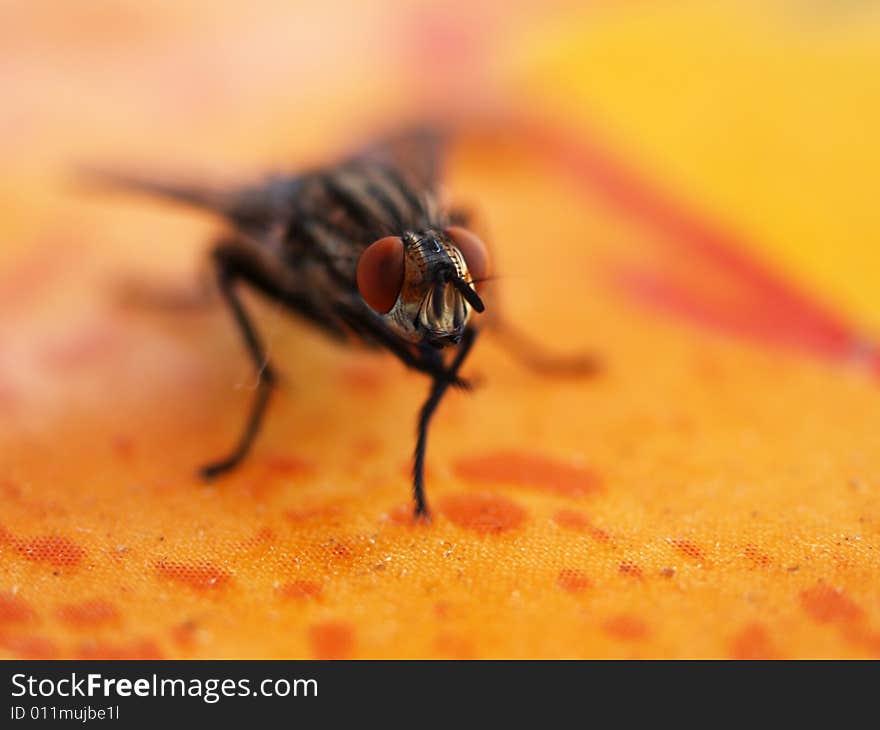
[473, 250]
[380, 273]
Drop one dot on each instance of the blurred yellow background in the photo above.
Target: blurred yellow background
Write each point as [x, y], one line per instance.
[685, 189]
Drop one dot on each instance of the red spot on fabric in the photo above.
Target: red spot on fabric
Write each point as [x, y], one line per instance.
[88, 614]
[708, 368]
[872, 643]
[403, 515]
[752, 642]
[514, 468]
[828, 605]
[573, 580]
[135, 649]
[301, 590]
[864, 638]
[331, 640]
[316, 512]
[631, 569]
[689, 550]
[82, 348]
[573, 520]
[14, 609]
[340, 550]
[486, 514]
[10, 490]
[431, 35]
[10, 398]
[60, 552]
[363, 378]
[184, 634]
[201, 576]
[265, 534]
[434, 44]
[453, 646]
[625, 627]
[756, 557]
[262, 538]
[289, 466]
[28, 279]
[123, 448]
[344, 549]
[29, 647]
[366, 447]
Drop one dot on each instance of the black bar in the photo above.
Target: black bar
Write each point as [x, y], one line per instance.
[460, 694]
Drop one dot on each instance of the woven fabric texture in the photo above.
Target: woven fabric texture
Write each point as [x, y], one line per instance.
[687, 191]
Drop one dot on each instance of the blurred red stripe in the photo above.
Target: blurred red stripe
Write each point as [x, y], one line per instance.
[770, 309]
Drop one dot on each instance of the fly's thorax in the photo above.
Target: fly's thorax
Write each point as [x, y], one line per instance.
[430, 309]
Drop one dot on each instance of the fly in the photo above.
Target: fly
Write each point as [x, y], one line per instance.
[362, 248]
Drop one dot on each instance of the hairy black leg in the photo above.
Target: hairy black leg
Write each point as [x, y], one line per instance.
[428, 363]
[232, 266]
[438, 389]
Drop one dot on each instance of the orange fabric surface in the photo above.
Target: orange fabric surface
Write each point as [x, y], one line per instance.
[685, 190]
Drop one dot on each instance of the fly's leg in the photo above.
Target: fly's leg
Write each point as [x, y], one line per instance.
[232, 266]
[538, 359]
[140, 295]
[439, 386]
[520, 346]
[403, 351]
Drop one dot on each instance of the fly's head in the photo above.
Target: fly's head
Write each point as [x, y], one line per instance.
[422, 283]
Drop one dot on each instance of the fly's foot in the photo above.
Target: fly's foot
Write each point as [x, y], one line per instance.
[461, 383]
[452, 379]
[585, 365]
[209, 472]
[540, 360]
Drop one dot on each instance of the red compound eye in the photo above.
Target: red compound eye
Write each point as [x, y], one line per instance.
[473, 249]
[380, 273]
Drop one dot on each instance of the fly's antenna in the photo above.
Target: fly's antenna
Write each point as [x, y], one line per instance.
[437, 298]
[484, 280]
[468, 292]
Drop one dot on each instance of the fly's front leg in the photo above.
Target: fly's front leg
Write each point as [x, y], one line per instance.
[233, 265]
[430, 365]
[440, 384]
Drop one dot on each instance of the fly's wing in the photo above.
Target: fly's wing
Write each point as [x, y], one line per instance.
[253, 208]
[416, 154]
